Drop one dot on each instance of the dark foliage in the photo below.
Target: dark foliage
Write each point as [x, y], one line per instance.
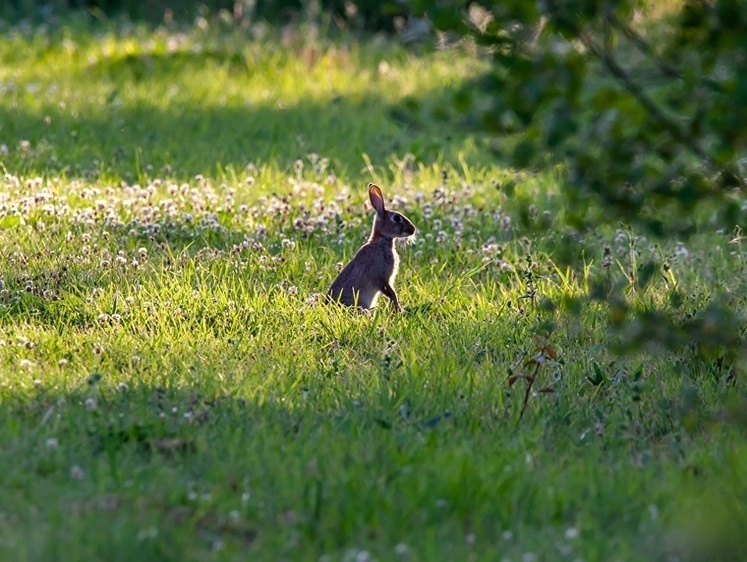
[359, 14]
[648, 115]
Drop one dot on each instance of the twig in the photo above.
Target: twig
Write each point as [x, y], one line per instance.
[528, 391]
[634, 37]
[648, 104]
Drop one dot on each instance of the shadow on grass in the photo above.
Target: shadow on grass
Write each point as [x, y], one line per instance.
[140, 139]
[186, 456]
[88, 469]
[181, 457]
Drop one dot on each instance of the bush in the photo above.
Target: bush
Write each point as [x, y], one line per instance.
[361, 14]
[647, 113]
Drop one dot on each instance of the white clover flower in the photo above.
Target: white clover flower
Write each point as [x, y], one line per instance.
[145, 534]
[571, 533]
[681, 251]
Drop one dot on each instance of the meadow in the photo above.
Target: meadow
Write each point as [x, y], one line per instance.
[173, 205]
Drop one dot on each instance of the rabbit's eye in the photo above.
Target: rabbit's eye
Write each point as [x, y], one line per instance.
[396, 218]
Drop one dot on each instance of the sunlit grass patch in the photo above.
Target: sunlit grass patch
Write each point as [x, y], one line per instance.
[267, 100]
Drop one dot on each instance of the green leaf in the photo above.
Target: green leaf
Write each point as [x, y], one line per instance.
[597, 378]
[10, 221]
[463, 100]
[524, 153]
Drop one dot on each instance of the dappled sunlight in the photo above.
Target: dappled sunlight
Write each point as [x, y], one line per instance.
[174, 384]
[237, 100]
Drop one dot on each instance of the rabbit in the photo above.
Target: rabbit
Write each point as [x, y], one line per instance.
[373, 268]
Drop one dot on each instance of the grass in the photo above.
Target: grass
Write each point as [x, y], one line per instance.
[171, 386]
[163, 99]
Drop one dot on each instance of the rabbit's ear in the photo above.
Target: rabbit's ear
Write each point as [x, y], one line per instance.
[377, 199]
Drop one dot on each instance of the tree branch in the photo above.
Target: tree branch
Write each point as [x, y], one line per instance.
[634, 37]
[669, 124]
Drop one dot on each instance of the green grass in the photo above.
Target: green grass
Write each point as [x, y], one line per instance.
[172, 388]
[213, 102]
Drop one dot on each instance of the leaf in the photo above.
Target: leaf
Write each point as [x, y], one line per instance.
[512, 379]
[550, 352]
[462, 100]
[546, 390]
[10, 221]
[524, 153]
[559, 126]
[597, 378]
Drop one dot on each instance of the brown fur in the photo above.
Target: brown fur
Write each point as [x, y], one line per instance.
[373, 268]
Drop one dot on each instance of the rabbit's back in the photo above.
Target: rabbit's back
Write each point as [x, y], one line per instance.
[360, 282]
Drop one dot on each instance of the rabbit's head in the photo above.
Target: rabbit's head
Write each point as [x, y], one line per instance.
[388, 224]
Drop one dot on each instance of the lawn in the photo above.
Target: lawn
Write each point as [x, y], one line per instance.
[174, 203]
